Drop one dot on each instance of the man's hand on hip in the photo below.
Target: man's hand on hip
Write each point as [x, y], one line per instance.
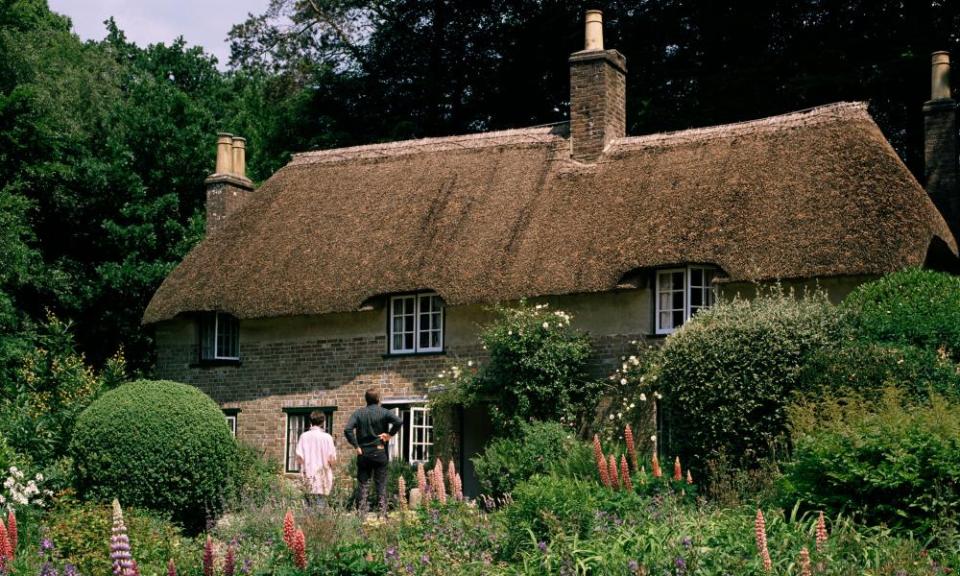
[359, 452]
[385, 437]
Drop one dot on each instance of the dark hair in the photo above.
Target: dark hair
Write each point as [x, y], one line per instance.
[372, 395]
[318, 418]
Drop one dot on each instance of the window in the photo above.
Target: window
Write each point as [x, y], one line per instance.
[414, 443]
[298, 422]
[219, 337]
[416, 324]
[681, 293]
[231, 415]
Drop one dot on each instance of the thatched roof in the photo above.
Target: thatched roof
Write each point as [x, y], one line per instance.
[506, 215]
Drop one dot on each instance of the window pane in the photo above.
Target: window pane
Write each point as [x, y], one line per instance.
[696, 297]
[666, 322]
[425, 339]
[408, 341]
[677, 318]
[665, 281]
[696, 277]
[408, 322]
[677, 280]
[677, 300]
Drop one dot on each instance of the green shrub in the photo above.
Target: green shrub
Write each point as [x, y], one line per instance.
[81, 531]
[156, 444]
[726, 376]
[892, 461]
[537, 448]
[915, 307]
[868, 367]
[537, 369]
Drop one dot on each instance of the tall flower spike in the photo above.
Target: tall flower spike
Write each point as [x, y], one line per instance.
[5, 547]
[677, 471]
[597, 449]
[208, 557]
[458, 488]
[439, 488]
[805, 562]
[123, 564]
[288, 529]
[655, 466]
[12, 533]
[760, 532]
[613, 473]
[821, 533]
[451, 474]
[631, 448]
[230, 561]
[402, 493]
[171, 568]
[689, 477]
[625, 475]
[135, 568]
[300, 549]
[422, 482]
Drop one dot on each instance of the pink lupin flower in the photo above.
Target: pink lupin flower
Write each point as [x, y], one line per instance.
[171, 568]
[208, 557]
[458, 488]
[821, 533]
[677, 471]
[631, 447]
[422, 482]
[625, 475]
[123, 564]
[760, 531]
[613, 473]
[689, 477]
[438, 486]
[12, 533]
[601, 462]
[288, 528]
[655, 466]
[402, 493]
[300, 549]
[805, 562]
[451, 473]
[230, 561]
[6, 551]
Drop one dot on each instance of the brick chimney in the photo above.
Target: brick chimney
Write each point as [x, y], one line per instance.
[228, 187]
[940, 143]
[597, 94]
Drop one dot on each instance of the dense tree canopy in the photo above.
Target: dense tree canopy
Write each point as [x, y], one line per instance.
[104, 145]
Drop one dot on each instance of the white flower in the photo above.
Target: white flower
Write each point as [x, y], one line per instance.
[619, 414]
[611, 416]
[509, 332]
[546, 325]
[634, 360]
[643, 397]
[653, 438]
[470, 363]
[39, 477]
[657, 395]
[623, 381]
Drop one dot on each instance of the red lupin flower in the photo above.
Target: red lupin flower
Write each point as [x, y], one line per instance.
[613, 474]
[655, 466]
[625, 475]
[631, 448]
[208, 557]
[677, 472]
[821, 533]
[171, 568]
[12, 533]
[230, 561]
[300, 549]
[288, 529]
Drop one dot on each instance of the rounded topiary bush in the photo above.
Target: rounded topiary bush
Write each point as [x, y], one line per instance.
[727, 376]
[155, 444]
[916, 307]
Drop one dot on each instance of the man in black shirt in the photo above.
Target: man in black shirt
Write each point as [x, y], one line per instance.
[369, 430]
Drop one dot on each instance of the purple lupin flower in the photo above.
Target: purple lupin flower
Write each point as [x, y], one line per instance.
[70, 570]
[48, 569]
[123, 564]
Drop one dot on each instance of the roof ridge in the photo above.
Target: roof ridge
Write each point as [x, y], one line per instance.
[805, 117]
[543, 133]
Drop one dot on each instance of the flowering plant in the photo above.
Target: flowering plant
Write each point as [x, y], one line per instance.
[19, 491]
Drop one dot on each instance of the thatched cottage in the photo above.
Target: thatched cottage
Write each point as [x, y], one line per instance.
[372, 265]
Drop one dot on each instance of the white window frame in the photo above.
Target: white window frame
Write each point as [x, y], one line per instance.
[687, 289]
[232, 423]
[418, 330]
[396, 445]
[215, 347]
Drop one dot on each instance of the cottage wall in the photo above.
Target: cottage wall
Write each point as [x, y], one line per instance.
[331, 360]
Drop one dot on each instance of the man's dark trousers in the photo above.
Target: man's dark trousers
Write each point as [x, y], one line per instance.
[373, 463]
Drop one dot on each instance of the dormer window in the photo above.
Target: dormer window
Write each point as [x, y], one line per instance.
[416, 324]
[681, 293]
[219, 336]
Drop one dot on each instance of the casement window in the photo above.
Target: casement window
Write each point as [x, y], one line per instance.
[219, 336]
[681, 293]
[414, 442]
[416, 324]
[230, 414]
[298, 422]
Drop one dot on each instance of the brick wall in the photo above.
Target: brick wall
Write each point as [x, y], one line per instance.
[225, 194]
[332, 371]
[597, 102]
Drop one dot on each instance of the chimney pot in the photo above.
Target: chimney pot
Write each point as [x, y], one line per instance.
[224, 153]
[240, 157]
[593, 39]
[940, 68]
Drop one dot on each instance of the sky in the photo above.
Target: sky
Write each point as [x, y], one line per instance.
[200, 22]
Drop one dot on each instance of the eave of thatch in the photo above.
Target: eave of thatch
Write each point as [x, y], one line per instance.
[506, 215]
